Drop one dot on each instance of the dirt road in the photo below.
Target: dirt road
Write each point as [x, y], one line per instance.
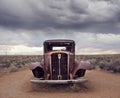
[101, 85]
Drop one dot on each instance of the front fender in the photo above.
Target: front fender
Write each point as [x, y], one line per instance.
[82, 65]
[37, 69]
[34, 65]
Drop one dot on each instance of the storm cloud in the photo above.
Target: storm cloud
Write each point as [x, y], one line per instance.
[93, 24]
[85, 15]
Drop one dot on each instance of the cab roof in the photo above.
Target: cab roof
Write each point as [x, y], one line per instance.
[59, 42]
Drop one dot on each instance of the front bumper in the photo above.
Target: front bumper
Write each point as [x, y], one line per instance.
[82, 80]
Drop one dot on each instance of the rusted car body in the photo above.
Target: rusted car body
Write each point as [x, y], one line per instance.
[59, 64]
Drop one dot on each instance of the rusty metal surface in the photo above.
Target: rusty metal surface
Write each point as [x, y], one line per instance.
[55, 66]
[69, 44]
[59, 81]
[59, 66]
[34, 65]
[81, 65]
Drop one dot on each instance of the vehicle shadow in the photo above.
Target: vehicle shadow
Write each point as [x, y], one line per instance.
[82, 87]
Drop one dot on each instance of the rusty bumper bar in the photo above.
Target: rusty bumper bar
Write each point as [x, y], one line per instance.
[59, 81]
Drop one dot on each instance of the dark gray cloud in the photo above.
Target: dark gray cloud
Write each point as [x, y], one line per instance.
[82, 15]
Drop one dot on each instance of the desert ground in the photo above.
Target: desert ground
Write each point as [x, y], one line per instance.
[101, 84]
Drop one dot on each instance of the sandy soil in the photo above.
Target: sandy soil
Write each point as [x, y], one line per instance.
[101, 84]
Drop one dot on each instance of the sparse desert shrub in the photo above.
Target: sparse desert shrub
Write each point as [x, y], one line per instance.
[115, 67]
[13, 69]
[4, 64]
[101, 64]
[105, 62]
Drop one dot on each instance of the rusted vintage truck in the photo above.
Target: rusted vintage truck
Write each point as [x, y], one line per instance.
[59, 65]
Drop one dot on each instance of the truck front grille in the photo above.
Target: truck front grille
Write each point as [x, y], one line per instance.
[59, 66]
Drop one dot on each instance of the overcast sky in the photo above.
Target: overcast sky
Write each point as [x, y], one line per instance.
[93, 24]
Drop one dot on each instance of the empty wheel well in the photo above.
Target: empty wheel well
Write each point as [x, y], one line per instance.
[38, 72]
[80, 73]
